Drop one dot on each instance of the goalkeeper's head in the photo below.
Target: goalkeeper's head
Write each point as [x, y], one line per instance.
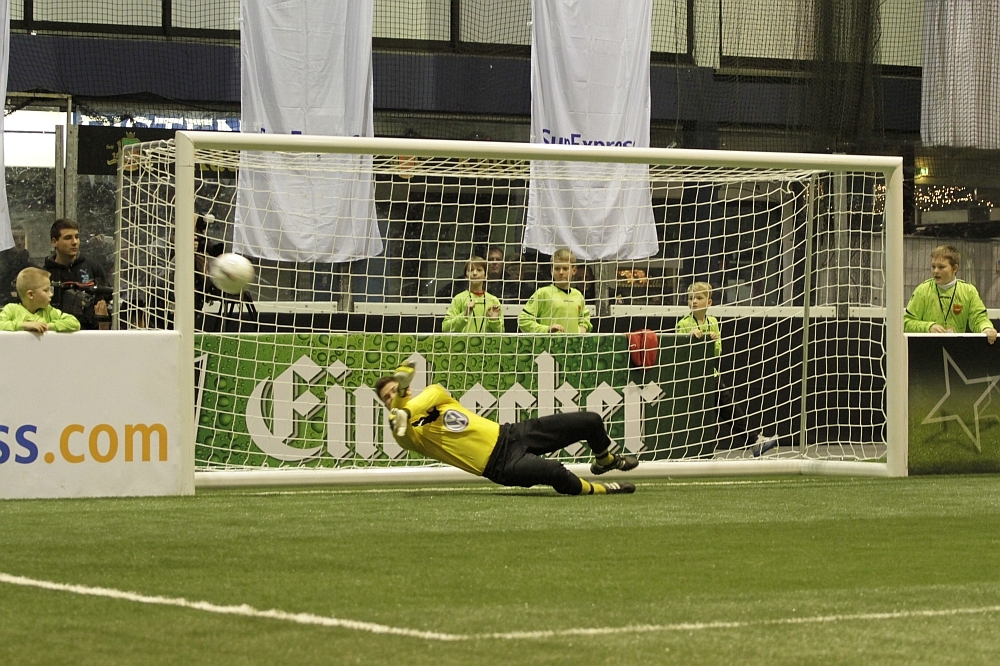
[387, 388]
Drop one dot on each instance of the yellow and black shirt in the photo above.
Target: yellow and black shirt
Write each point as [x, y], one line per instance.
[442, 429]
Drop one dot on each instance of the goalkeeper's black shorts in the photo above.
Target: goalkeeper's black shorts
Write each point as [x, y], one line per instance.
[516, 459]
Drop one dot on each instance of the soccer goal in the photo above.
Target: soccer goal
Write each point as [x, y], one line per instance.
[361, 248]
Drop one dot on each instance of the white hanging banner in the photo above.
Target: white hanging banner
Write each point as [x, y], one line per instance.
[306, 68]
[6, 237]
[960, 93]
[590, 86]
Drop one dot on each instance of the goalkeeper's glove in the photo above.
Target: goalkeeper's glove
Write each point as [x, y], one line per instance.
[400, 420]
[403, 376]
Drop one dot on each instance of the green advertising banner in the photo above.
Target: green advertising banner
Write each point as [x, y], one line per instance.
[306, 399]
[954, 404]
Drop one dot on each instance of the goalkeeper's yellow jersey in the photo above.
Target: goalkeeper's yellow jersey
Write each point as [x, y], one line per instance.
[442, 429]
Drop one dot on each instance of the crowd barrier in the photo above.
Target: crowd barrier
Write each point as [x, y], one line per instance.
[954, 404]
[93, 414]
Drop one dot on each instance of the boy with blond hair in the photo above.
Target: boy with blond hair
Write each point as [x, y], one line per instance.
[557, 308]
[35, 313]
[945, 304]
[701, 325]
[474, 310]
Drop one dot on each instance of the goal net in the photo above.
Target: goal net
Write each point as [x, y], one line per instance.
[724, 312]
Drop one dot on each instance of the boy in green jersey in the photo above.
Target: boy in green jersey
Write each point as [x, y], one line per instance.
[557, 308]
[474, 310]
[701, 325]
[438, 426]
[35, 313]
[945, 304]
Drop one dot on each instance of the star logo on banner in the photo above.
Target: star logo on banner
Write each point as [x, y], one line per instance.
[983, 408]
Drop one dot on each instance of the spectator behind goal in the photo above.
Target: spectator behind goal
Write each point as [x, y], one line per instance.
[557, 308]
[81, 286]
[474, 310]
[35, 312]
[945, 304]
[701, 325]
[12, 262]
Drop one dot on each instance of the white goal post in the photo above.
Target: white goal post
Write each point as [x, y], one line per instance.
[804, 253]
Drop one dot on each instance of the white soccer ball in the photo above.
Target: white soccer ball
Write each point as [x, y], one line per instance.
[231, 272]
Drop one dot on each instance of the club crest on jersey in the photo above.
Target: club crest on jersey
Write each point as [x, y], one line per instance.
[455, 421]
[957, 308]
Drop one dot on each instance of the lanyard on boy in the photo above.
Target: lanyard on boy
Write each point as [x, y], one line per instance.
[482, 320]
[947, 311]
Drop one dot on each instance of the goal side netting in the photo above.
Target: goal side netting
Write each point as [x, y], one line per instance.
[371, 252]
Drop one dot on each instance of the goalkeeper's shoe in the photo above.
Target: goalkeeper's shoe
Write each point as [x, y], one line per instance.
[620, 463]
[763, 445]
[400, 420]
[618, 488]
[404, 375]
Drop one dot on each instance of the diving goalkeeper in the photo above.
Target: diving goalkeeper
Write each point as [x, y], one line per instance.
[436, 425]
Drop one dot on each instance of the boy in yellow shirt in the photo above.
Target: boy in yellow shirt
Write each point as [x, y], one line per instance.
[557, 308]
[945, 304]
[701, 325]
[35, 312]
[474, 310]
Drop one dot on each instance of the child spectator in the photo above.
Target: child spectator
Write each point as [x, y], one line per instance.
[557, 308]
[474, 310]
[35, 312]
[945, 304]
[699, 324]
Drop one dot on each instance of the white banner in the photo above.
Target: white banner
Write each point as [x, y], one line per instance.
[6, 237]
[307, 69]
[590, 86]
[113, 429]
[960, 94]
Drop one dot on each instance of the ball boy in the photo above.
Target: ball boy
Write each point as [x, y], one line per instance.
[946, 304]
[35, 312]
[474, 310]
[557, 308]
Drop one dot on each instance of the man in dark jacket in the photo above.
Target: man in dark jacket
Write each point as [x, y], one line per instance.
[80, 287]
[12, 262]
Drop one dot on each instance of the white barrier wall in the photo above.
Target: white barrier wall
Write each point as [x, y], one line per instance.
[93, 414]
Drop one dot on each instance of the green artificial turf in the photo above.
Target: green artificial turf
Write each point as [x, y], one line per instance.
[472, 560]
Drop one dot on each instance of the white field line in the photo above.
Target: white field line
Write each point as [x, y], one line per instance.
[244, 610]
[323, 621]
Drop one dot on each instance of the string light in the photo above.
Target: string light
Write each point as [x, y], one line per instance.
[945, 197]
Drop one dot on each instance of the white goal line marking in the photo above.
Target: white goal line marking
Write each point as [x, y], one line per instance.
[371, 627]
